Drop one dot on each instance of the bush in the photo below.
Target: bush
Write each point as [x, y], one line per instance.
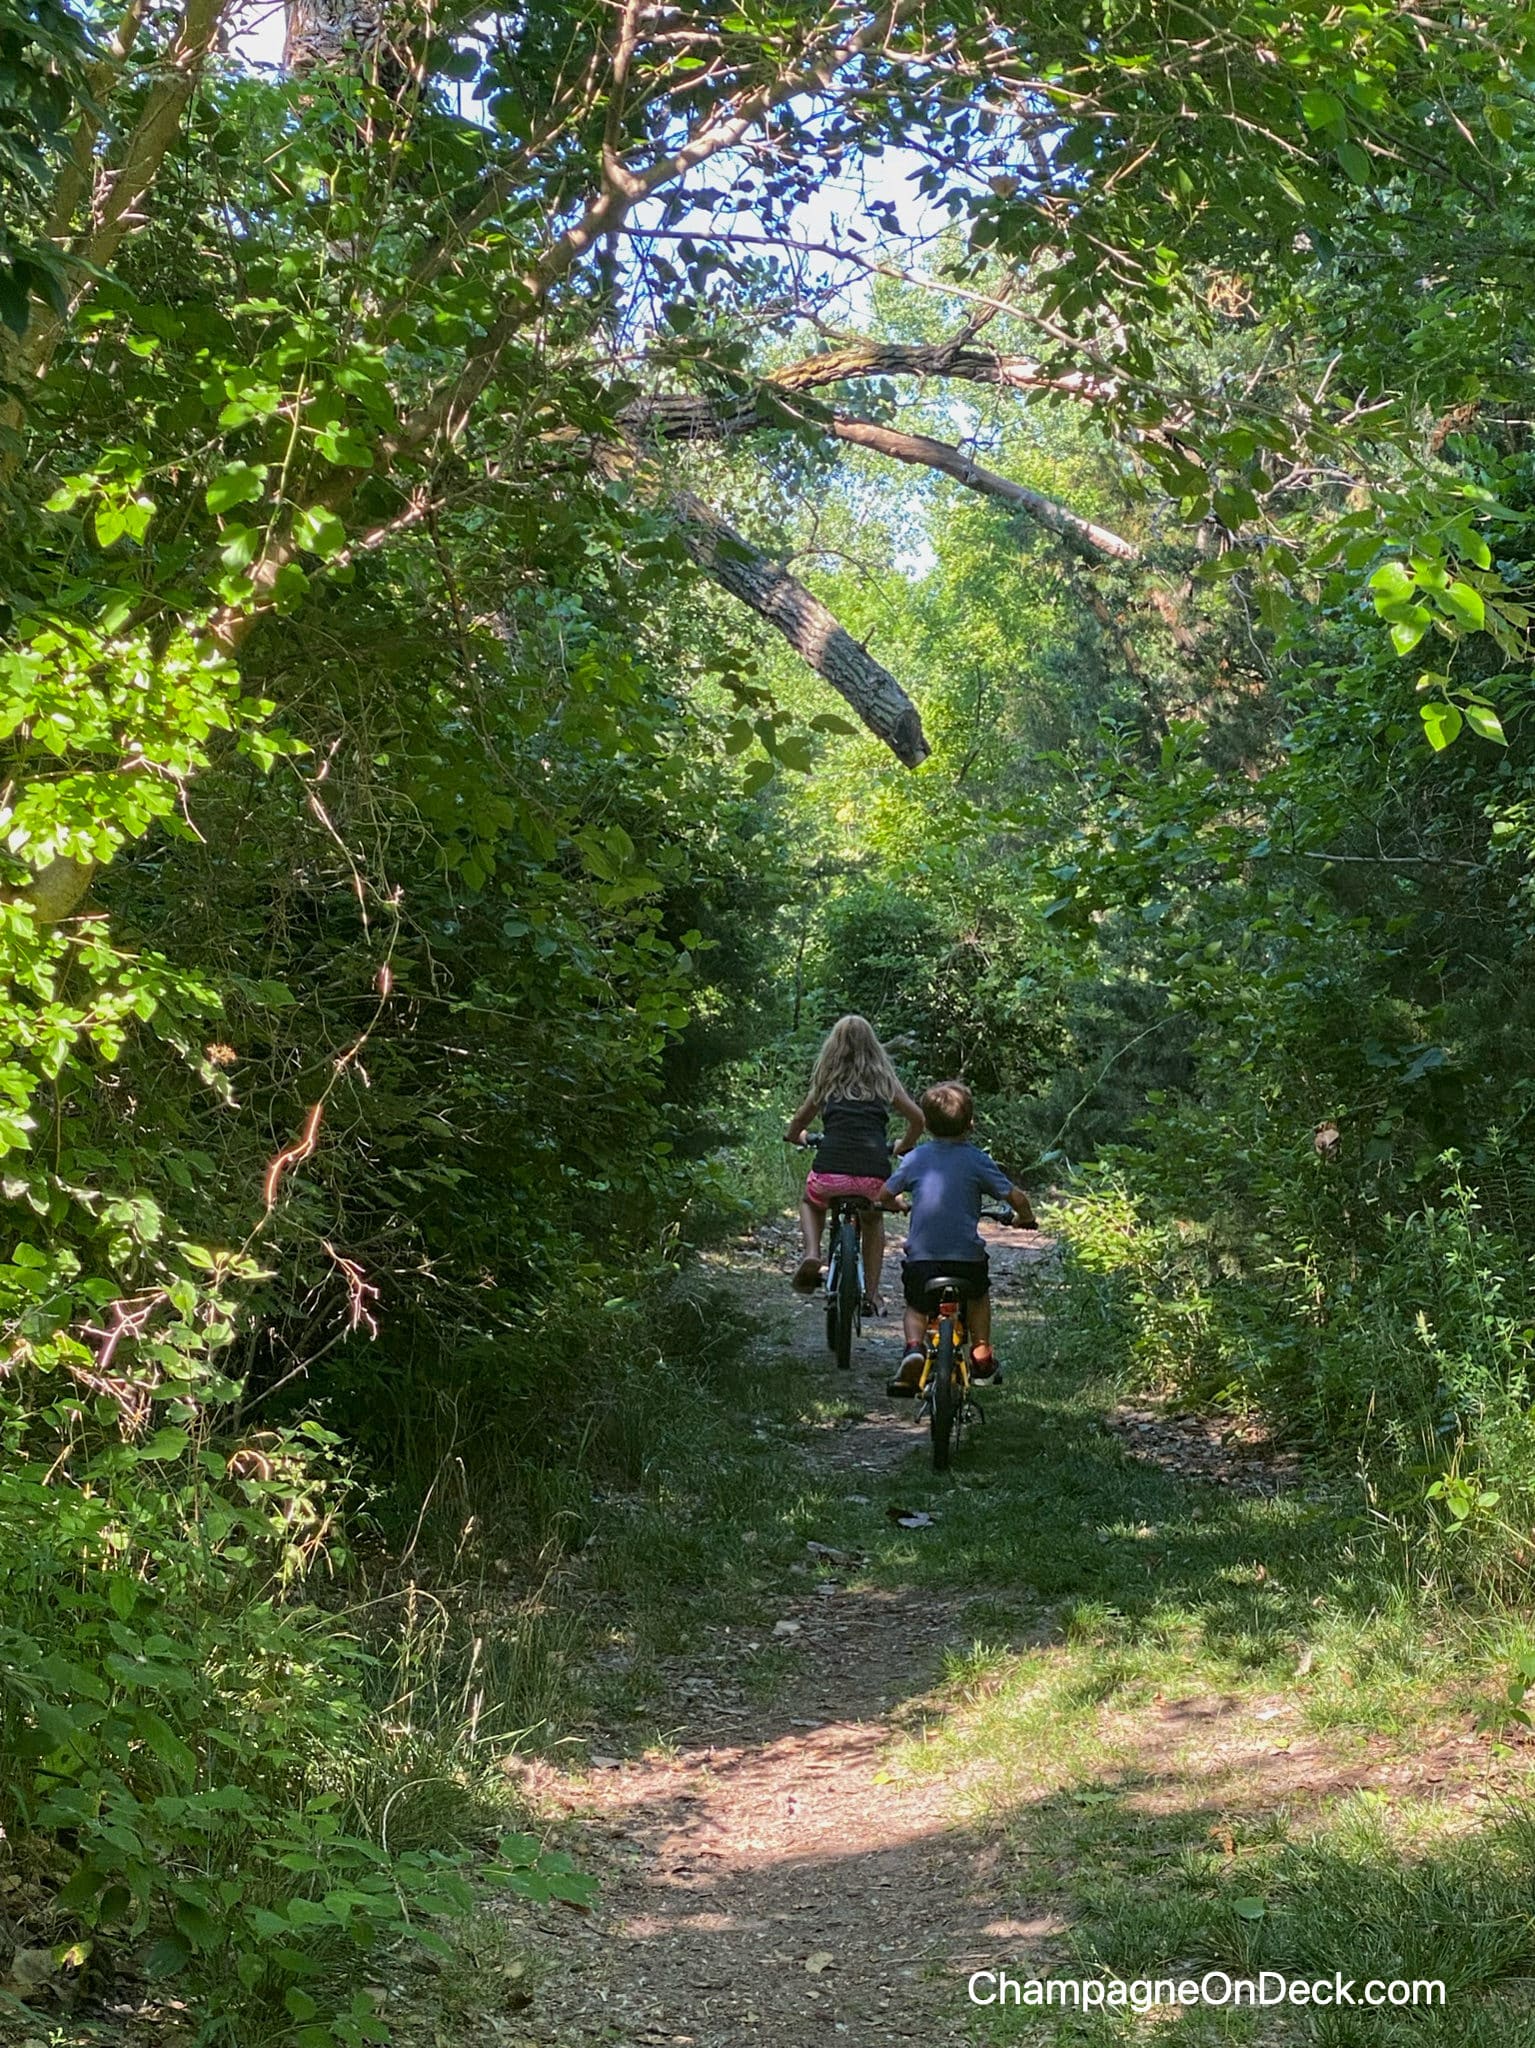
[186, 1740]
[1414, 1363]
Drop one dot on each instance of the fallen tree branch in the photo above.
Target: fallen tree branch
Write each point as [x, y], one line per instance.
[816, 636]
[1098, 543]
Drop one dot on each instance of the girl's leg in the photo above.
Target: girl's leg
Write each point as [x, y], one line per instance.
[873, 1227]
[807, 1275]
[810, 1221]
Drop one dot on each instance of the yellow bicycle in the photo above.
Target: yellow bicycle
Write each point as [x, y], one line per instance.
[945, 1398]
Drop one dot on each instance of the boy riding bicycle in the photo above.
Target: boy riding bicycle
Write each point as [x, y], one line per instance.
[947, 1179]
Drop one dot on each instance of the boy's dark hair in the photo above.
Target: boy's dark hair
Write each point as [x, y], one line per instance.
[948, 1109]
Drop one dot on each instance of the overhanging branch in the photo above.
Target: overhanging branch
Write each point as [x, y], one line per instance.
[1096, 542]
[816, 636]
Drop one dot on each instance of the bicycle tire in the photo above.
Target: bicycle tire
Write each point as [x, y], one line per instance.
[846, 1298]
[943, 1408]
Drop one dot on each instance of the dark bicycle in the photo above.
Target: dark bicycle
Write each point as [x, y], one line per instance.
[844, 1267]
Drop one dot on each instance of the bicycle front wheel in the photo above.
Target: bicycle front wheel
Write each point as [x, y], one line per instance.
[846, 1298]
[945, 1396]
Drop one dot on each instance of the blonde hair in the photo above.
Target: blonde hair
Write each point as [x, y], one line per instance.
[852, 1062]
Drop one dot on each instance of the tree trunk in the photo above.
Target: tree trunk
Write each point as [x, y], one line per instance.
[810, 629]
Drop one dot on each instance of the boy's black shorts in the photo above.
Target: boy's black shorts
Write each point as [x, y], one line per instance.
[974, 1276]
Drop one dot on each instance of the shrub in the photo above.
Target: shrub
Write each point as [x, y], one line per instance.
[184, 1733]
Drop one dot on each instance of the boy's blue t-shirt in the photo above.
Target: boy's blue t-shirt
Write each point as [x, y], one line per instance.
[947, 1179]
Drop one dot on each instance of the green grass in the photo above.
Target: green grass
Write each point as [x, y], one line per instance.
[1127, 1625]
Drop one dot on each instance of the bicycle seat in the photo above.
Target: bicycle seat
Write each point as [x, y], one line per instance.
[943, 1285]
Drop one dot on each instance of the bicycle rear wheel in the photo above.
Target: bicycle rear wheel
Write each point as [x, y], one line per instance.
[846, 1297]
[943, 1411]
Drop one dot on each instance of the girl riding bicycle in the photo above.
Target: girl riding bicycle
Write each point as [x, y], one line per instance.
[854, 1090]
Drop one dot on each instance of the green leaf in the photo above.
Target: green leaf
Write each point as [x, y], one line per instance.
[167, 1955]
[290, 586]
[1406, 633]
[320, 531]
[241, 483]
[110, 524]
[1467, 606]
[196, 1924]
[1484, 721]
[346, 448]
[1248, 1908]
[1392, 583]
[1322, 109]
[1442, 723]
[158, 1736]
[1355, 162]
[170, 1442]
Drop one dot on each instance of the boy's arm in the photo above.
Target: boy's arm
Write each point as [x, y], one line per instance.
[802, 1118]
[1001, 1184]
[895, 1186]
[915, 1122]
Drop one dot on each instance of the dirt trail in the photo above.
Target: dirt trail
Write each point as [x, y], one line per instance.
[762, 1883]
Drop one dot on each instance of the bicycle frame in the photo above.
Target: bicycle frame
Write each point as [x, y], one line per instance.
[954, 1308]
[944, 1396]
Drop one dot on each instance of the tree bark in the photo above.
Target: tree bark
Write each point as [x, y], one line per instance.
[1097, 543]
[344, 35]
[865, 359]
[810, 629]
[686, 415]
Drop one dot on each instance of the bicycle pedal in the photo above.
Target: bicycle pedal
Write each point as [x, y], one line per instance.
[974, 1412]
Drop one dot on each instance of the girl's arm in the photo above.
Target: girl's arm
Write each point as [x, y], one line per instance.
[915, 1125]
[803, 1117]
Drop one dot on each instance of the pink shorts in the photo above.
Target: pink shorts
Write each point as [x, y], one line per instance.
[820, 1187]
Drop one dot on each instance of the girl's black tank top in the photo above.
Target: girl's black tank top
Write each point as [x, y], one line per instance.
[857, 1137]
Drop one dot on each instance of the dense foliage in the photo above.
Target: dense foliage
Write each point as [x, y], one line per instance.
[410, 867]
